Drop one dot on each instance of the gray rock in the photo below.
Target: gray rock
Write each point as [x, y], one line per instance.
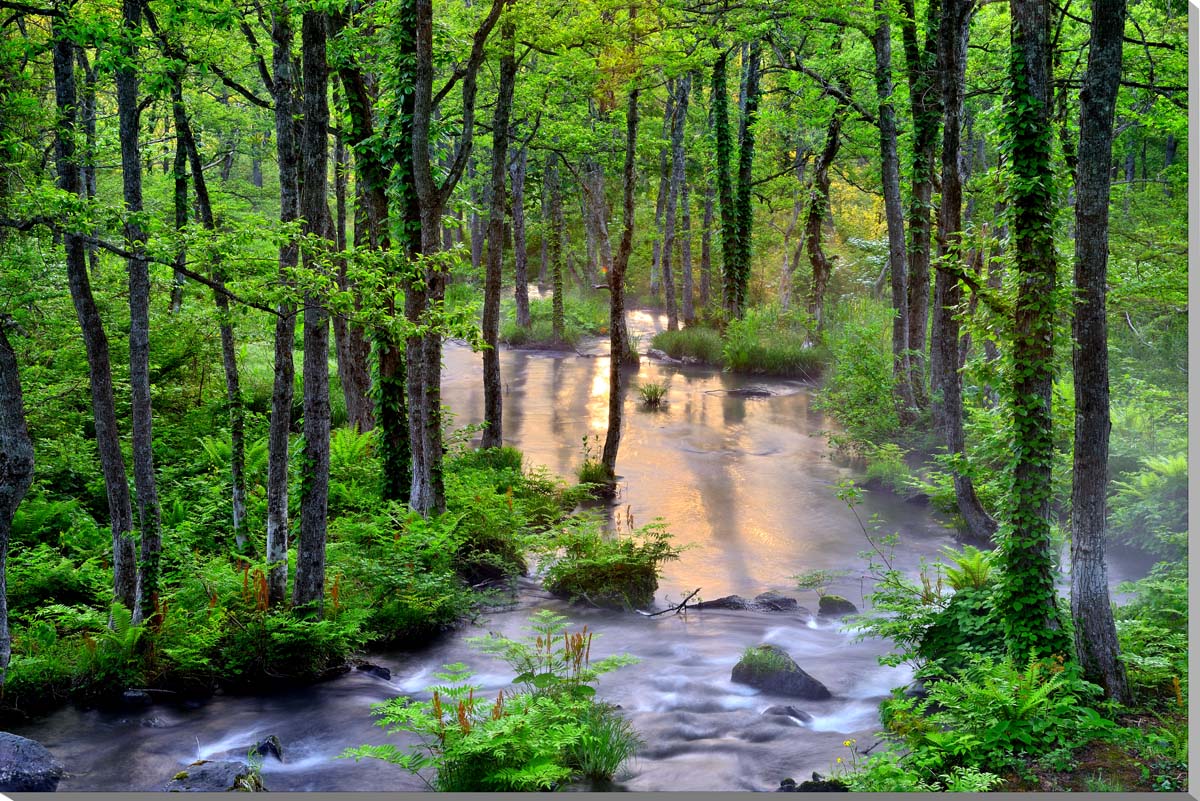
[788, 712]
[835, 606]
[750, 392]
[26, 766]
[655, 353]
[269, 746]
[775, 602]
[773, 671]
[728, 602]
[375, 670]
[136, 699]
[215, 777]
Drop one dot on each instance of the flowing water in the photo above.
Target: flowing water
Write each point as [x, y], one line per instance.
[745, 480]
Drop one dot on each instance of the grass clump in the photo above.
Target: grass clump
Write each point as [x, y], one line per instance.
[654, 395]
[584, 315]
[620, 571]
[552, 730]
[764, 660]
[694, 342]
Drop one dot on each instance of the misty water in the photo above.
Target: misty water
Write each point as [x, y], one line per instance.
[747, 482]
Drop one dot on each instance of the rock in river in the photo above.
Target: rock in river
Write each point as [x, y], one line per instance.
[26, 766]
[788, 712]
[769, 668]
[775, 602]
[835, 606]
[215, 777]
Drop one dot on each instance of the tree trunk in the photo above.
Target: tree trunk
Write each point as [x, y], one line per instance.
[145, 485]
[664, 177]
[108, 438]
[492, 404]
[1096, 644]
[1026, 597]
[477, 229]
[744, 209]
[881, 40]
[286, 110]
[350, 341]
[945, 379]
[16, 467]
[682, 88]
[617, 340]
[706, 248]
[87, 109]
[309, 589]
[520, 252]
[818, 207]
[687, 291]
[233, 392]
[921, 65]
[556, 233]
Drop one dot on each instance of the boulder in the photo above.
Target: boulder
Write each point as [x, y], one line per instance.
[771, 670]
[835, 606]
[215, 777]
[375, 670]
[26, 766]
[268, 746]
[728, 602]
[775, 602]
[788, 712]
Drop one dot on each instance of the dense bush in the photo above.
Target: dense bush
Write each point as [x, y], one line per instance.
[536, 738]
[619, 571]
[860, 350]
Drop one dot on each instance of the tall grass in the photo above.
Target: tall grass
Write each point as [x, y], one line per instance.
[702, 344]
[766, 341]
[584, 314]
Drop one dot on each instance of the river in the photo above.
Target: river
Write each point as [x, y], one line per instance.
[748, 483]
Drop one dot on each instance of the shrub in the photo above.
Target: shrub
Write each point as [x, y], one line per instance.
[583, 315]
[535, 739]
[267, 648]
[620, 571]
[857, 390]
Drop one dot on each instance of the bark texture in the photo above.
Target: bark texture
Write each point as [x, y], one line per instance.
[1096, 645]
[16, 473]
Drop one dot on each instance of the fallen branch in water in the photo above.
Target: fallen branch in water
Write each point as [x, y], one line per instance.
[675, 609]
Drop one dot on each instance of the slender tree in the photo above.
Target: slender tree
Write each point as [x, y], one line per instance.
[308, 590]
[1026, 598]
[16, 473]
[517, 171]
[492, 408]
[1096, 644]
[95, 341]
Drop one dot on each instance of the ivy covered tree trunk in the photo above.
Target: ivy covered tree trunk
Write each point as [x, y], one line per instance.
[687, 290]
[492, 403]
[744, 209]
[924, 99]
[1096, 644]
[95, 341]
[616, 283]
[144, 481]
[518, 169]
[945, 378]
[1026, 598]
[308, 591]
[889, 160]
[16, 473]
[286, 110]
[724, 148]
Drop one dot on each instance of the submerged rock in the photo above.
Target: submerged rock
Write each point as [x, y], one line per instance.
[215, 777]
[375, 670]
[835, 606]
[775, 602]
[727, 602]
[788, 711]
[136, 699]
[26, 766]
[750, 392]
[769, 668]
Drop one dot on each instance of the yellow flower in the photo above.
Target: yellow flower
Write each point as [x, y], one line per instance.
[846, 743]
[839, 760]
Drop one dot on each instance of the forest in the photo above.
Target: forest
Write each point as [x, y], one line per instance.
[366, 363]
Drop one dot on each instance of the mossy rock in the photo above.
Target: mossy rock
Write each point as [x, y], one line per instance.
[770, 669]
[216, 777]
[835, 606]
